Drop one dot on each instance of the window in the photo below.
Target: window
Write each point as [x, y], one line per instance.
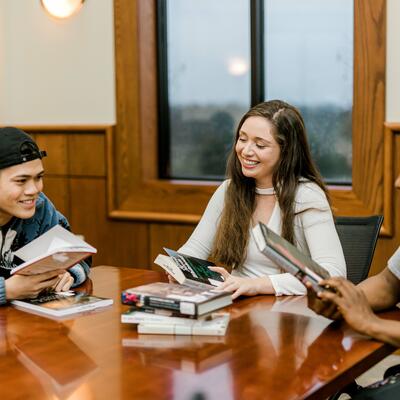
[216, 58]
[135, 189]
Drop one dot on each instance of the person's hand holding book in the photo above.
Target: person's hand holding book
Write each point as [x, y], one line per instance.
[30, 286]
[64, 283]
[349, 302]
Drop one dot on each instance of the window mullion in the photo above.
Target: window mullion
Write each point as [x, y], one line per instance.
[257, 51]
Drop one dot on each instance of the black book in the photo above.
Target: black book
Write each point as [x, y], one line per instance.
[288, 257]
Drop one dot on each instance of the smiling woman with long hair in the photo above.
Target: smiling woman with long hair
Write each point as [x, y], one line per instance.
[273, 179]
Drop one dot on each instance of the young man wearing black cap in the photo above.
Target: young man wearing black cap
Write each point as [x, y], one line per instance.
[25, 214]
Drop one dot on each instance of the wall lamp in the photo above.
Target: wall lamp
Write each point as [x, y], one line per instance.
[62, 8]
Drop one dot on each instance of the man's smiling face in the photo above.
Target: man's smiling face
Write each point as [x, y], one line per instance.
[20, 186]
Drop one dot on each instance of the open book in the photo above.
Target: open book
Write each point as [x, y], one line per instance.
[288, 257]
[55, 249]
[189, 270]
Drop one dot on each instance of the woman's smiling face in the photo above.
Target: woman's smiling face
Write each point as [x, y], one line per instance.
[257, 150]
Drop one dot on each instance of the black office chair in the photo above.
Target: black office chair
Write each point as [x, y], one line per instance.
[358, 236]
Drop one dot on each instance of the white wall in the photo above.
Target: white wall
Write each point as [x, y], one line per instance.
[62, 72]
[393, 61]
[56, 71]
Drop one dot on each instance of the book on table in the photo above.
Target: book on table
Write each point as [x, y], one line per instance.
[183, 299]
[155, 312]
[289, 257]
[211, 324]
[189, 270]
[215, 325]
[62, 304]
[57, 248]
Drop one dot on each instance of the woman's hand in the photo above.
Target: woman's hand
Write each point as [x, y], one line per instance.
[29, 286]
[351, 303]
[64, 283]
[242, 286]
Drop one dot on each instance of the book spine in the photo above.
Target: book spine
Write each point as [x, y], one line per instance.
[138, 317]
[159, 312]
[183, 307]
[215, 325]
[179, 330]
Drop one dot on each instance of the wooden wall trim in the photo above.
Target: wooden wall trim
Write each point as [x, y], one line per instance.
[391, 129]
[137, 191]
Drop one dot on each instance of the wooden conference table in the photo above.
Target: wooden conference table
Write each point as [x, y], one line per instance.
[274, 349]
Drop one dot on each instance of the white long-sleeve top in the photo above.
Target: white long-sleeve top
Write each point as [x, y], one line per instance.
[314, 231]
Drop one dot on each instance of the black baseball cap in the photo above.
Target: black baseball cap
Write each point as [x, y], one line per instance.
[17, 147]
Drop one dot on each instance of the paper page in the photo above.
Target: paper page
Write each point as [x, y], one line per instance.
[45, 242]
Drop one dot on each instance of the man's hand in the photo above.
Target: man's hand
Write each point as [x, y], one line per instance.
[351, 303]
[64, 283]
[323, 307]
[241, 286]
[29, 286]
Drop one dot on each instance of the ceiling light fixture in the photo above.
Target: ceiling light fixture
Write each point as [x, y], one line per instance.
[62, 8]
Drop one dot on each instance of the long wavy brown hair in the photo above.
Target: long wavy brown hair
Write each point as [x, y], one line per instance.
[295, 162]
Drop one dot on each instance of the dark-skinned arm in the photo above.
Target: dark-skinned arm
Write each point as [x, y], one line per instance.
[381, 290]
[353, 304]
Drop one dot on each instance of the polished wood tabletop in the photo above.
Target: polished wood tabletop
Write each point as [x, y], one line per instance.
[275, 348]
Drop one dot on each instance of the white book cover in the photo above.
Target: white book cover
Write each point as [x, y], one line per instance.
[216, 325]
[55, 249]
[138, 317]
[62, 303]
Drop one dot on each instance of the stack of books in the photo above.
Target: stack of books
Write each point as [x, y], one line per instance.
[183, 308]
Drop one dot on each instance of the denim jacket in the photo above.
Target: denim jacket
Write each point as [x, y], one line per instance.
[22, 231]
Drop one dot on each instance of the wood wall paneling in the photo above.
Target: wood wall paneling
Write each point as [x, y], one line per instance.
[56, 189]
[87, 155]
[56, 146]
[118, 243]
[387, 245]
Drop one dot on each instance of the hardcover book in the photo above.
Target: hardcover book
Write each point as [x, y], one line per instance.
[132, 316]
[187, 300]
[215, 325]
[189, 270]
[55, 249]
[288, 257]
[151, 312]
[62, 303]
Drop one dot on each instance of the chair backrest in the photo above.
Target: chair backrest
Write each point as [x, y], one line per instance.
[358, 236]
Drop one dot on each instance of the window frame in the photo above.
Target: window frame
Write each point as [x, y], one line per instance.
[135, 192]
